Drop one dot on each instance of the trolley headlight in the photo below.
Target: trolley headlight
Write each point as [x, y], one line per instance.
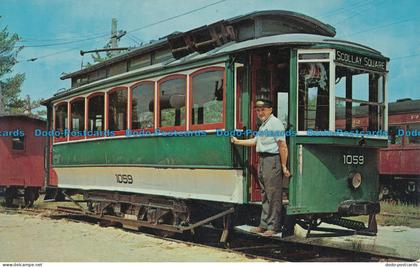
[355, 180]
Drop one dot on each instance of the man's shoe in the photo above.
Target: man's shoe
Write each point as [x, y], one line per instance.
[269, 233]
[258, 230]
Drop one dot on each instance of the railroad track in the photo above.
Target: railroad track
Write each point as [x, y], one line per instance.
[248, 245]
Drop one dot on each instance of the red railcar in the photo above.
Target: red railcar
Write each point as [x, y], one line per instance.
[21, 156]
[399, 164]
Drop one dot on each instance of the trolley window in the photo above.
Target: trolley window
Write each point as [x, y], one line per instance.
[172, 93]
[77, 115]
[142, 105]
[61, 118]
[314, 96]
[359, 100]
[96, 112]
[207, 98]
[117, 108]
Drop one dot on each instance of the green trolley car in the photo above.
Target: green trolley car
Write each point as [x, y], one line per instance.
[145, 135]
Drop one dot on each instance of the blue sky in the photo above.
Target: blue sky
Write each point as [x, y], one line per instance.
[55, 31]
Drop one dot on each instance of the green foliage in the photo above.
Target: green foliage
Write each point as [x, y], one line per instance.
[10, 85]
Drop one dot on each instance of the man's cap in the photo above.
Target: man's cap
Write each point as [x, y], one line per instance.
[263, 103]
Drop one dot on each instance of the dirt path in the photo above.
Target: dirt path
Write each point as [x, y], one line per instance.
[33, 238]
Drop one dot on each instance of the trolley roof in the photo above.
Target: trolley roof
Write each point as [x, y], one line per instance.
[254, 30]
[250, 26]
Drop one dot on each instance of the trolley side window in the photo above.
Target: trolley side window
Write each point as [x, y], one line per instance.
[142, 105]
[172, 99]
[207, 98]
[96, 113]
[117, 108]
[61, 118]
[313, 96]
[77, 115]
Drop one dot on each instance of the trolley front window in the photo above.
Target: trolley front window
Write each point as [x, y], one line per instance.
[359, 100]
[314, 98]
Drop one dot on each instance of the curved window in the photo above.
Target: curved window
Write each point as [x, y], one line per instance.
[61, 113]
[117, 108]
[142, 105]
[96, 113]
[172, 102]
[207, 97]
[77, 115]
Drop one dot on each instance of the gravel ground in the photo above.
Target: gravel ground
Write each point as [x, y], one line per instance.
[34, 238]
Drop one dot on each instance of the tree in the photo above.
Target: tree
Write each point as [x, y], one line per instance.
[10, 84]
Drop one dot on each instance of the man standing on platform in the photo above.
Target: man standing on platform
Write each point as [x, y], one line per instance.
[273, 154]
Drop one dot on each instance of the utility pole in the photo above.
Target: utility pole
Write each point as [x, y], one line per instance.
[112, 45]
[114, 33]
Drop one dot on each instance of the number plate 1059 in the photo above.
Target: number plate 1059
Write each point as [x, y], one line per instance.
[353, 159]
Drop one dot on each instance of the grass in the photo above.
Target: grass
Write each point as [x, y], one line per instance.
[399, 215]
[400, 209]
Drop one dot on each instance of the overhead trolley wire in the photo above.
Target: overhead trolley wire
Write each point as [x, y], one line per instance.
[385, 25]
[174, 17]
[136, 29]
[103, 35]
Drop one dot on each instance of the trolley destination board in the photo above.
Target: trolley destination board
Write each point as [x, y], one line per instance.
[360, 61]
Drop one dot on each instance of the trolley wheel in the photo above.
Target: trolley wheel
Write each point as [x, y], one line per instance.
[9, 195]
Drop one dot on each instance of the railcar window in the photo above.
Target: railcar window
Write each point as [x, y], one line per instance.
[96, 113]
[207, 97]
[117, 110]
[413, 133]
[313, 96]
[359, 100]
[394, 137]
[18, 143]
[142, 106]
[172, 102]
[61, 117]
[78, 115]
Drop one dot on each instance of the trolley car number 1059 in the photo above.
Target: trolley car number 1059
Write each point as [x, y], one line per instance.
[353, 159]
[124, 178]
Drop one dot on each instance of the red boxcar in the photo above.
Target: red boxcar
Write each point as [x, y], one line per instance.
[21, 156]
